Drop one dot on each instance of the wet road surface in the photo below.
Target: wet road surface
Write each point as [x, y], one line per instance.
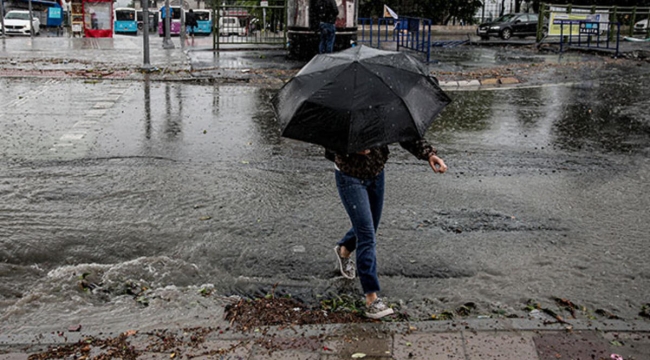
[170, 186]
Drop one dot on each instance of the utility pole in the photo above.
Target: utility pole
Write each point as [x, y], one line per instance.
[31, 21]
[145, 35]
[2, 18]
[167, 43]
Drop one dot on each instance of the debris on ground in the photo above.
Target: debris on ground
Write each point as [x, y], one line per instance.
[248, 314]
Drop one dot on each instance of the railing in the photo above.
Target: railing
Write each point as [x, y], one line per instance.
[373, 31]
[250, 25]
[411, 33]
[626, 16]
[590, 35]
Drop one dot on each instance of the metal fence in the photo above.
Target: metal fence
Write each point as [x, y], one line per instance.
[248, 25]
[591, 36]
[410, 33]
[625, 16]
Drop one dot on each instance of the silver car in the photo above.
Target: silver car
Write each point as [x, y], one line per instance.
[17, 23]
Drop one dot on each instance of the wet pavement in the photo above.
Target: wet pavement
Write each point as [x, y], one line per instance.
[172, 185]
[473, 339]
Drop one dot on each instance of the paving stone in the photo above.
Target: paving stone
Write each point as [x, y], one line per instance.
[508, 81]
[489, 81]
[346, 346]
[286, 354]
[439, 346]
[575, 345]
[499, 345]
[154, 356]
[14, 356]
[469, 83]
[448, 84]
[221, 349]
[630, 346]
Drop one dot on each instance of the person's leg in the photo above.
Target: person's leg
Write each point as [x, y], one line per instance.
[348, 243]
[356, 201]
[331, 35]
[376, 197]
[322, 48]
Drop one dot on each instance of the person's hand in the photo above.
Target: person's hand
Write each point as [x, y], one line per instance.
[364, 152]
[437, 164]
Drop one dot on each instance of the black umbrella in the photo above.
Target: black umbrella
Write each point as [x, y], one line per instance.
[358, 99]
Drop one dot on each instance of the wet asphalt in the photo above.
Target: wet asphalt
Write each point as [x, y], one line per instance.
[167, 183]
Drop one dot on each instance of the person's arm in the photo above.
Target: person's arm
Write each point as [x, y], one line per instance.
[422, 150]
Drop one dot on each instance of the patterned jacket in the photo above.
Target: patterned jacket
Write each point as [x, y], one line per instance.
[369, 166]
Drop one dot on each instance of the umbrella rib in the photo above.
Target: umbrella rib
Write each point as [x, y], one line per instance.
[342, 66]
[381, 78]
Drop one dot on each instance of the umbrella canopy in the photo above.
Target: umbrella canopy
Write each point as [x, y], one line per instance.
[358, 99]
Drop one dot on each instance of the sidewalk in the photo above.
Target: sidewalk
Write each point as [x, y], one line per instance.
[503, 339]
[122, 58]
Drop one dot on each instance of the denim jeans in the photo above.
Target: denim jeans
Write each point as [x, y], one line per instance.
[327, 34]
[363, 200]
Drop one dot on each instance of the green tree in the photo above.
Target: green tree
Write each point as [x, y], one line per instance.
[439, 11]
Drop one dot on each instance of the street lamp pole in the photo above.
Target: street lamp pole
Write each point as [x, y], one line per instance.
[2, 18]
[167, 43]
[31, 21]
[145, 34]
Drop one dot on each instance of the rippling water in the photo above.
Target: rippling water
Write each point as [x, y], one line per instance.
[177, 188]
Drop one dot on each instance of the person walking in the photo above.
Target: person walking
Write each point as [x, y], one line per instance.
[327, 13]
[190, 25]
[164, 13]
[360, 183]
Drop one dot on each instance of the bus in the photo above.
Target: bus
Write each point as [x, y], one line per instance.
[204, 20]
[153, 19]
[174, 25]
[125, 21]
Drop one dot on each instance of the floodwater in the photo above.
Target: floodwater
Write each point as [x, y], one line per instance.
[119, 195]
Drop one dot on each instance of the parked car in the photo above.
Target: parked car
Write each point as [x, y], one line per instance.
[641, 26]
[229, 25]
[509, 25]
[17, 23]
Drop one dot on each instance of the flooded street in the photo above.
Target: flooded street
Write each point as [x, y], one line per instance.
[117, 194]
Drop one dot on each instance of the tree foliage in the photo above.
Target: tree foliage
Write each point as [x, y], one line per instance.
[439, 11]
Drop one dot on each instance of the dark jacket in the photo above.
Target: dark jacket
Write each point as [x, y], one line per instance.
[327, 11]
[369, 166]
[190, 19]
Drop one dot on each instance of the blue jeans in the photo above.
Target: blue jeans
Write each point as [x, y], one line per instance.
[327, 34]
[363, 200]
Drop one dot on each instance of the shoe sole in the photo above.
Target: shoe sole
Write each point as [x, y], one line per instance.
[338, 257]
[380, 314]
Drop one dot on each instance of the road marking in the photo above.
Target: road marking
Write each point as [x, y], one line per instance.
[66, 145]
[72, 136]
[30, 94]
[103, 105]
[87, 124]
[95, 113]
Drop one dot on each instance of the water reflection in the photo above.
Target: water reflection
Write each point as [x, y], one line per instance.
[147, 107]
[600, 118]
[173, 117]
[468, 111]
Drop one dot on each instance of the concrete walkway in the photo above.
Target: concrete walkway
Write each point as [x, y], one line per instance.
[122, 58]
[503, 339]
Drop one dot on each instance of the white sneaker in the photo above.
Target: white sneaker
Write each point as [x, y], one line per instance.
[378, 309]
[346, 265]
